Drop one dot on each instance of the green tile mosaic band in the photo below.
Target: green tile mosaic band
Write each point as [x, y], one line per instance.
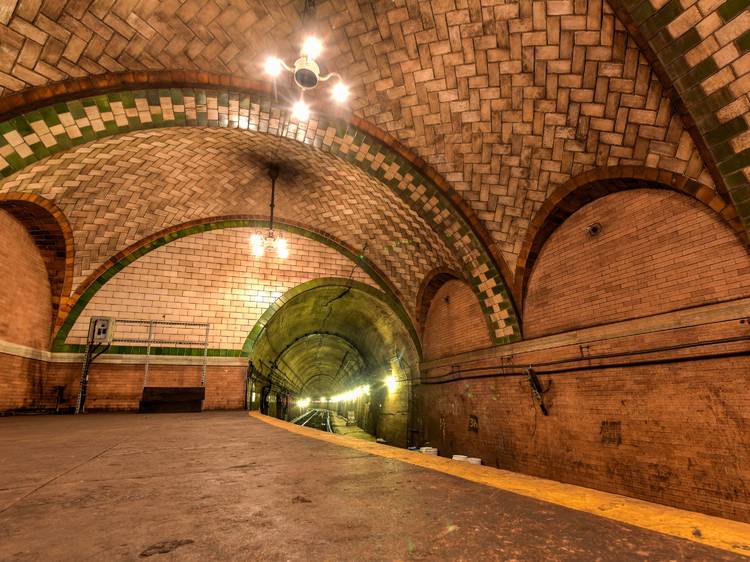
[28, 138]
[703, 79]
[386, 295]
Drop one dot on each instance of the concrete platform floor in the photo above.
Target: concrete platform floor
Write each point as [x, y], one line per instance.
[223, 486]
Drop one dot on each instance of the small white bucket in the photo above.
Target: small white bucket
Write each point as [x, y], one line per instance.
[460, 458]
[474, 460]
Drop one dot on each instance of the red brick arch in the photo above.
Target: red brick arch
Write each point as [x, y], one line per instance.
[52, 234]
[594, 184]
[428, 289]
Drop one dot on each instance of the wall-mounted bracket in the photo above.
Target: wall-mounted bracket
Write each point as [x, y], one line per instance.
[537, 391]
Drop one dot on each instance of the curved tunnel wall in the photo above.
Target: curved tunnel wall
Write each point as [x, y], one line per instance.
[342, 334]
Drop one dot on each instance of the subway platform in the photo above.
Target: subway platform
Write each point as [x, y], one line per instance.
[228, 486]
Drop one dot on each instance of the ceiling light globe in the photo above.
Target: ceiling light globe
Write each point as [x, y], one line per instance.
[340, 92]
[282, 250]
[256, 245]
[312, 47]
[273, 67]
[300, 111]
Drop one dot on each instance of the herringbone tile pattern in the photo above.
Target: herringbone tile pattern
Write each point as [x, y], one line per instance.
[117, 191]
[27, 139]
[506, 99]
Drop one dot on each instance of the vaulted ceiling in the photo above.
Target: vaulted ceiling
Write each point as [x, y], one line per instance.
[506, 100]
[120, 190]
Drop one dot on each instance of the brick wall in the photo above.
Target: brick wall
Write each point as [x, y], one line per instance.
[25, 298]
[657, 251]
[682, 443]
[112, 386]
[119, 386]
[26, 305]
[666, 415]
[21, 383]
[676, 433]
[210, 277]
[454, 323]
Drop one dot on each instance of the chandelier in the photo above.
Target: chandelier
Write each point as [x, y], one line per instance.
[307, 76]
[269, 241]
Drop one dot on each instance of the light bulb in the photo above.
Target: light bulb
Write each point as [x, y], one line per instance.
[312, 48]
[300, 111]
[273, 66]
[391, 383]
[340, 92]
[256, 244]
[282, 250]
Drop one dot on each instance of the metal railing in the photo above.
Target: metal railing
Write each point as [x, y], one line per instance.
[150, 340]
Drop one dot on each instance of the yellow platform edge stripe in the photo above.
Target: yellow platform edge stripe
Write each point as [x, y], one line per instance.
[725, 534]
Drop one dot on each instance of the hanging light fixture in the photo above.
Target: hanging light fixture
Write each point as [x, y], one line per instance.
[269, 241]
[306, 72]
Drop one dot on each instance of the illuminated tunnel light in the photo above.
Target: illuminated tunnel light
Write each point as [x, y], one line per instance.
[391, 382]
[282, 250]
[256, 243]
[352, 395]
[304, 403]
[273, 66]
[301, 111]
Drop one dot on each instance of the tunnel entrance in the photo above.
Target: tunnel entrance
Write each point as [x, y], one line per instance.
[342, 347]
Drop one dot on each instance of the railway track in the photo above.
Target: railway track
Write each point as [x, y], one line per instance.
[317, 418]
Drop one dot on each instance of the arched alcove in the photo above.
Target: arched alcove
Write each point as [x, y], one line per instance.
[631, 254]
[453, 322]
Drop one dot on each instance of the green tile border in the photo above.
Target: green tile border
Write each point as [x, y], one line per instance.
[386, 294]
[99, 116]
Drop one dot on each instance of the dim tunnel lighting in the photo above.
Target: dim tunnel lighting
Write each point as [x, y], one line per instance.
[304, 403]
[391, 383]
